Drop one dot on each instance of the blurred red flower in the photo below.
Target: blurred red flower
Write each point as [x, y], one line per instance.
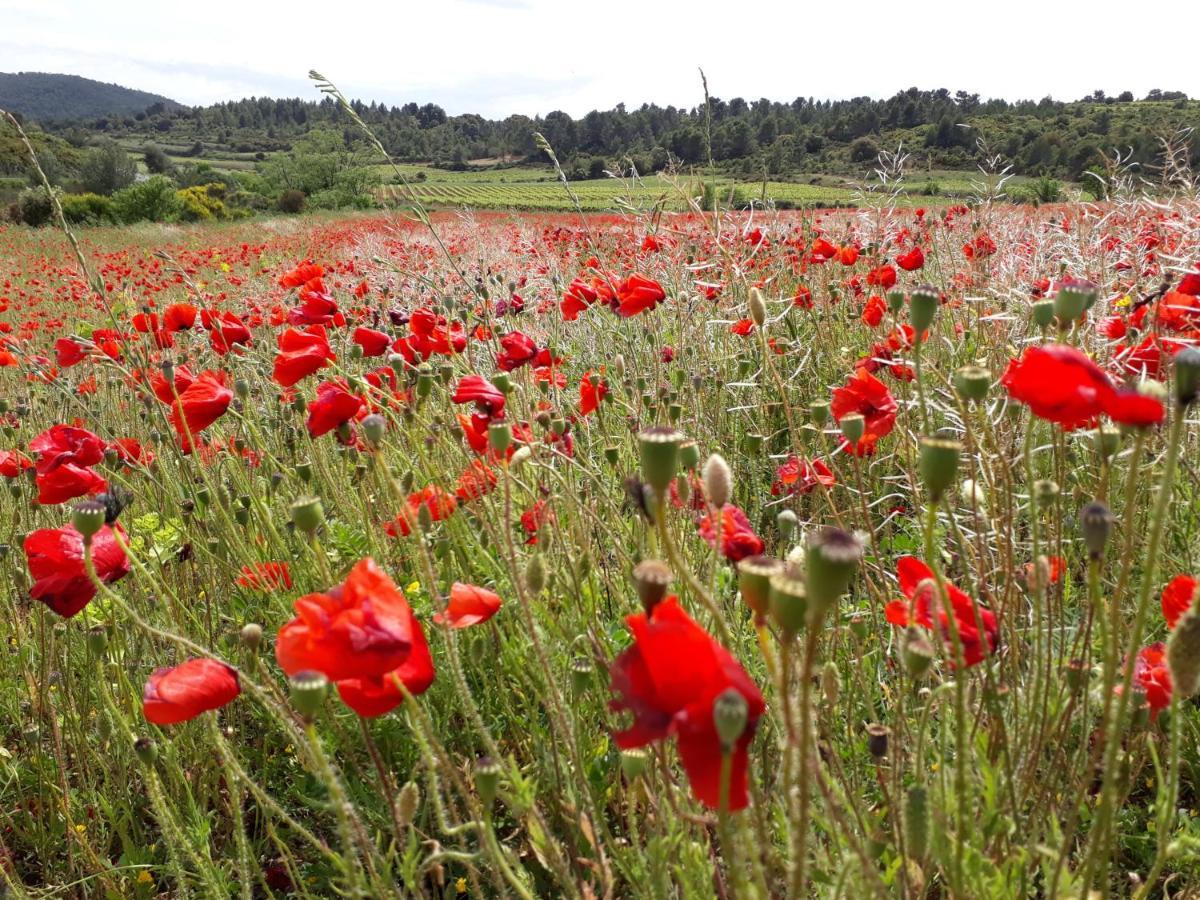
[919, 586]
[180, 693]
[469, 605]
[738, 539]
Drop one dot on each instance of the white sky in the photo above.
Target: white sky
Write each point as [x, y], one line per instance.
[497, 57]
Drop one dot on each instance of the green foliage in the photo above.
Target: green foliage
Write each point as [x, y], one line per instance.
[45, 96]
[153, 199]
[202, 203]
[292, 201]
[106, 169]
[34, 206]
[157, 160]
[332, 173]
[88, 209]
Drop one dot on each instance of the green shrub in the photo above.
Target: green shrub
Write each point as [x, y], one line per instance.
[202, 203]
[291, 201]
[153, 200]
[88, 209]
[35, 206]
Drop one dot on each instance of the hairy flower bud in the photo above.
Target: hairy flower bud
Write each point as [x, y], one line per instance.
[651, 577]
[758, 307]
[718, 480]
[1183, 652]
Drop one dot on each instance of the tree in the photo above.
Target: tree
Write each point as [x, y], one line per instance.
[106, 169]
[157, 161]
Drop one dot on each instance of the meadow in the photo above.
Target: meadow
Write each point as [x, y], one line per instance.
[668, 552]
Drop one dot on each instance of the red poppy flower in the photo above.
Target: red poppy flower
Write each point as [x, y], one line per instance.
[919, 586]
[180, 693]
[373, 343]
[61, 445]
[205, 400]
[362, 628]
[305, 271]
[590, 394]
[317, 306]
[477, 389]
[1152, 676]
[469, 605]
[873, 312]
[266, 576]
[668, 679]
[179, 317]
[517, 349]
[226, 331]
[1177, 598]
[166, 391]
[55, 560]
[439, 503]
[477, 481]
[636, 294]
[1062, 385]
[912, 260]
[738, 539]
[882, 276]
[333, 406]
[131, 452]
[301, 353]
[847, 256]
[865, 395]
[371, 697]
[69, 353]
[66, 482]
[13, 463]
[799, 476]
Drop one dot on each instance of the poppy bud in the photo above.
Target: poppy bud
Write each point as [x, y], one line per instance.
[88, 518]
[972, 383]
[689, 455]
[718, 480]
[659, 449]
[304, 471]
[487, 780]
[651, 578]
[308, 515]
[1187, 376]
[895, 301]
[97, 640]
[146, 750]
[917, 653]
[754, 581]
[916, 822]
[831, 683]
[1043, 313]
[299, 404]
[1183, 653]
[1077, 674]
[1075, 297]
[818, 412]
[830, 562]
[581, 674]
[788, 601]
[634, 762]
[758, 307]
[535, 574]
[373, 427]
[938, 465]
[877, 740]
[424, 518]
[853, 427]
[407, 801]
[922, 307]
[1046, 490]
[787, 523]
[308, 689]
[241, 387]
[1095, 523]
[1108, 440]
[396, 361]
[251, 636]
[730, 713]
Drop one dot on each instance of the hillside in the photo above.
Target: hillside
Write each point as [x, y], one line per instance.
[48, 97]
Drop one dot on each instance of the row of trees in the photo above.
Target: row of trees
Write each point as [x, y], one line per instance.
[805, 135]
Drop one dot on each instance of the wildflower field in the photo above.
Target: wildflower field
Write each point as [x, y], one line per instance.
[743, 554]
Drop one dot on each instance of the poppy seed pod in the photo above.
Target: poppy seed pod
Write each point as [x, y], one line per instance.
[651, 578]
[922, 307]
[788, 601]
[718, 480]
[730, 713]
[1095, 524]
[1187, 376]
[818, 412]
[308, 689]
[830, 562]
[939, 465]
[853, 427]
[1077, 674]
[373, 427]
[916, 652]
[97, 640]
[581, 674]
[1043, 313]
[308, 515]
[88, 518]
[689, 455]
[787, 523]
[487, 780]
[895, 301]
[500, 436]
[754, 581]
[758, 307]
[659, 450]
[1108, 440]
[1183, 652]
[535, 574]
[251, 636]
[877, 740]
[1075, 297]
[972, 383]
[634, 762]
